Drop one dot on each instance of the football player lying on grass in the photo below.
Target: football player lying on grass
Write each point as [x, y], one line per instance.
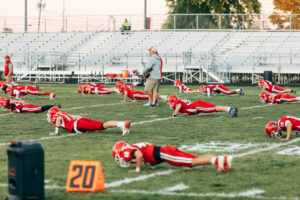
[286, 123]
[216, 89]
[92, 88]
[188, 108]
[182, 88]
[15, 105]
[268, 86]
[279, 98]
[78, 124]
[140, 153]
[21, 91]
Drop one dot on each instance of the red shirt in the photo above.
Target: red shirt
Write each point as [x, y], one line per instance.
[129, 90]
[269, 85]
[186, 106]
[146, 149]
[284, 121]
[67, 122]
[210, 88]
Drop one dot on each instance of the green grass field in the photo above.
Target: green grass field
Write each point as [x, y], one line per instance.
[261, 175]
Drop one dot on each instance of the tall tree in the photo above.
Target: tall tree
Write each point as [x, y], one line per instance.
[281, 16]
[210, 7]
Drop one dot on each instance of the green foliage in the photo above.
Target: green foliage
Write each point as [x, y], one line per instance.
[210, 7]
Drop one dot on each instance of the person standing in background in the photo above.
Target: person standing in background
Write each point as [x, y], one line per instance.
[8, 70]
[153, 72]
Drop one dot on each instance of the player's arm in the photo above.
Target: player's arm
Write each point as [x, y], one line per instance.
[12, 106]
[76, 117]
[125, 96]
[88, 90]
[17, 93]
[264, 88]
[57, 125]
[208, 92]
[288, 131]
[272, 99]
[177, 110]
[139, 160]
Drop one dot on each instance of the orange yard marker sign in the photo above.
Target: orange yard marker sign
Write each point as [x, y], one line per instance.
[85, 176]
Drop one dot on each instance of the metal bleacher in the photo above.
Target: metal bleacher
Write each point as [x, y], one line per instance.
[55, 56]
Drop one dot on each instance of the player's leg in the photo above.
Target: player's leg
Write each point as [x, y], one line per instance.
[140, 95]
[35, 109]
[233, 111]
[277, 89]
[176, 157]
[86, 124]
[288, 98]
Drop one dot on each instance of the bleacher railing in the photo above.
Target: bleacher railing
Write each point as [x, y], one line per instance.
[154, 22]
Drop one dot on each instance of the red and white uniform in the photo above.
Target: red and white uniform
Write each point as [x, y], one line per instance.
[284, 121]
[33, 90]
[280, 98]
[17, 90]
[223, 89]
[203, 106]
[5, 103]
[95, 88]
[27, 107]
[182, 88]
[77, 126]
[209, 89]
[272, 88]
[132, 94]
[186, 106]
[153, 154]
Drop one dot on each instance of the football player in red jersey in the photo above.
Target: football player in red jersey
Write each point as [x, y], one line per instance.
[268, 86]
[15, 105]
[219, 88]
[182, 88]
[279, 98]
[35, 90]
[93, 88]
[286, 123]
[132, 94]
[187, 107]
[150, 154]
[78, 124]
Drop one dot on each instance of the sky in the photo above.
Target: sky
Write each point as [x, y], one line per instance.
[94, 7]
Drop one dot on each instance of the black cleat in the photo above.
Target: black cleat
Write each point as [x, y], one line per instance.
[242, 93]
[294, 91]
[233, 112]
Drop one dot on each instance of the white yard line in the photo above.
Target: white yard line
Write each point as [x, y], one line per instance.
[248, 193]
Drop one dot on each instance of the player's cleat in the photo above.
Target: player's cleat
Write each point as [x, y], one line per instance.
[294, 91]
[227, 163]
[126, 128]
[157, 104]
[233, 112]
[242, 92]
[148, 104]
[52, 96]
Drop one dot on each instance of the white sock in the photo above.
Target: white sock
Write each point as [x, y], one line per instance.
[237, 90]
[228, 109]
[213, 160]
[298, 98]
[120, 124]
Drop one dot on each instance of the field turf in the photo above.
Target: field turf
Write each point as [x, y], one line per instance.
[259, 173]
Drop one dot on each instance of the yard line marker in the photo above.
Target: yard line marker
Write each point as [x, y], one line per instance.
[290, 151]
[248, 193]
[178, 187]
[139, 178]
[266, 149]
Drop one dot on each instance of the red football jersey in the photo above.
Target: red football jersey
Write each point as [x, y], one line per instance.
[284, 121]
[210, 88]
[127, 88]
[67, 121]
[269, 85]
[186, 106]
[18, 105]
[146, 149]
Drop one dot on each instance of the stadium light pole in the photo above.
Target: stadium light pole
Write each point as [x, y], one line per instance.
[145, 14]
[25, 17]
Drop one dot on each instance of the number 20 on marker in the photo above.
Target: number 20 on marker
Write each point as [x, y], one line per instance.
[85, 176]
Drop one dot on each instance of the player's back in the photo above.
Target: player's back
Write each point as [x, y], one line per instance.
[147, 150]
